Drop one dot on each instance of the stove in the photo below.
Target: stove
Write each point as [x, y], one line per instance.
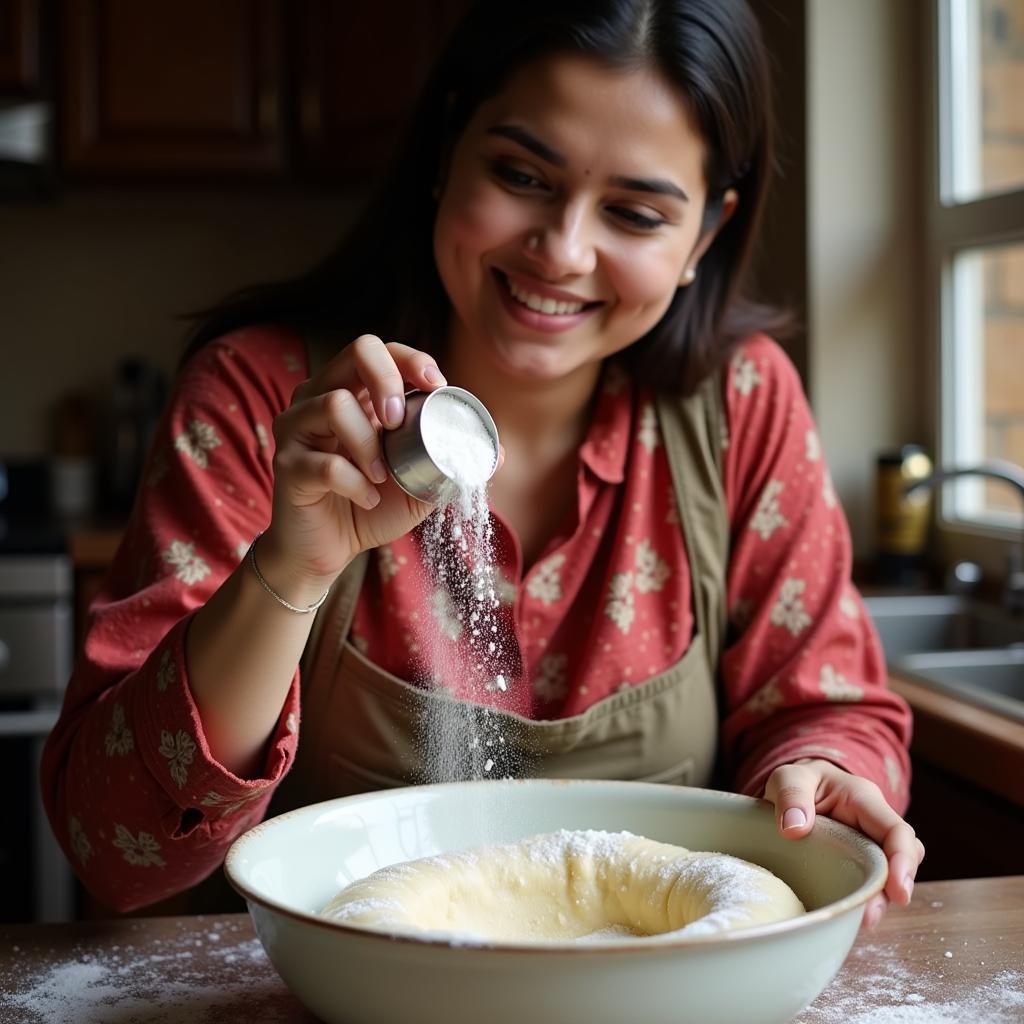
[36, 651]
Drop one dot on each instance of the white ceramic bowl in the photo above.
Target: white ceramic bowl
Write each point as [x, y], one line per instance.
[287, 868]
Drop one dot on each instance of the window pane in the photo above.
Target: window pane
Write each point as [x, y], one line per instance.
[988, 371]
[986, 96]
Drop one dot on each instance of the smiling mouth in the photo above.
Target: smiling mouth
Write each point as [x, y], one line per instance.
[540, 303]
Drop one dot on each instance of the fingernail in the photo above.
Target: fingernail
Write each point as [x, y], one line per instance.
[793, 818]
[908, 884]
[378, 471]
[433, 374]
[372, 499]
[394, 409]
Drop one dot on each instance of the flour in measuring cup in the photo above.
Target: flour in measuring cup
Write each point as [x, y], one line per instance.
[460, 445]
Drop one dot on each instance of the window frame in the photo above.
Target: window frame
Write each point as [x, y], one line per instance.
[954, 225]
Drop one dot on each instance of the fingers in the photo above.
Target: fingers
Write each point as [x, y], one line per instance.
[862, 804]
[799, 790]
[905, 852]
[327, 443]
[792, 788]
[312, 474]
[874, 911]
[381, 372]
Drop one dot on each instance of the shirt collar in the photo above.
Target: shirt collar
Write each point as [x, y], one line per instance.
[605, 447]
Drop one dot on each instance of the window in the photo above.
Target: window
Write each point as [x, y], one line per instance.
[976, 248]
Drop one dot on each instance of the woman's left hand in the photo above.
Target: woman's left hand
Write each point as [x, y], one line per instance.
[811, 786]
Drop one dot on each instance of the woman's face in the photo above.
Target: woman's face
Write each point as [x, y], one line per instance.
[570, 214]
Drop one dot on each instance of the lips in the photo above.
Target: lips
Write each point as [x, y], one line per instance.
[540, 306]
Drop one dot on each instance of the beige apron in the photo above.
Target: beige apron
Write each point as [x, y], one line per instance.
[363, 727]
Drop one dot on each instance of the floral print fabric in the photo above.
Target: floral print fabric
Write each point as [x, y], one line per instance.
[143, 809]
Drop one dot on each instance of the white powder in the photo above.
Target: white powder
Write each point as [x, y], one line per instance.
[730, 886]
[463, 739]
[886, 991]
[165, 984]
[458, 442]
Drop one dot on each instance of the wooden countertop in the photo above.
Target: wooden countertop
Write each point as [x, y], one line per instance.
[955, 954]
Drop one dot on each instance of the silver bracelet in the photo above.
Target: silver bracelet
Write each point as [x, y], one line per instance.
[272, 592]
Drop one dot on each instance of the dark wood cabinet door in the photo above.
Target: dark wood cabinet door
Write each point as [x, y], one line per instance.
[360, 66]
[172, 88]
[19, 47]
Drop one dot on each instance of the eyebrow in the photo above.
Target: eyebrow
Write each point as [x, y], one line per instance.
[529, 141]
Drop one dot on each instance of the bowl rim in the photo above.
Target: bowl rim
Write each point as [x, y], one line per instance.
[872, 855]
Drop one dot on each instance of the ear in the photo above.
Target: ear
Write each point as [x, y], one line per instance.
[730, 201]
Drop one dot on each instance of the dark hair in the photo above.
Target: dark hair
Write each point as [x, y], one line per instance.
[382, 277]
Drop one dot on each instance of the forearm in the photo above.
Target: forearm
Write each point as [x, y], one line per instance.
[242, 651]
[140, 808]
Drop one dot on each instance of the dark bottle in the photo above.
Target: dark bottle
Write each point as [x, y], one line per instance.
[136, 403]
[901, 520]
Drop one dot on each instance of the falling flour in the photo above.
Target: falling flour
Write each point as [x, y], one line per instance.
[463, 738]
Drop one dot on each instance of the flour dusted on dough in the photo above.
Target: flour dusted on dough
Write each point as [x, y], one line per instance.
[566, 886]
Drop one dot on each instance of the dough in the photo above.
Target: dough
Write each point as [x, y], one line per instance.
[565, 886]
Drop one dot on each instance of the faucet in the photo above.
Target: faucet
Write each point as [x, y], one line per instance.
[994, 469]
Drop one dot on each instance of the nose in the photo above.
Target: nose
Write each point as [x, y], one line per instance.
[563, 247]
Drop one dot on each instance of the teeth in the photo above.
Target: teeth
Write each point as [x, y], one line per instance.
[542, 305]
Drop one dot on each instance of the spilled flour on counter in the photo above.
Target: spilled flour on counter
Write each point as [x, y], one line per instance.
[191, 981]
[897, 995]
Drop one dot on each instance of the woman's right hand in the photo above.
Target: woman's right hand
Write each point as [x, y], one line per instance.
[333, 496]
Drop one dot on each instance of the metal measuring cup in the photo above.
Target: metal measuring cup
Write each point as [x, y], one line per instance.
[407, 452]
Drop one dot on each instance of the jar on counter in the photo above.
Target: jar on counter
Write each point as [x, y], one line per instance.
[901, 520]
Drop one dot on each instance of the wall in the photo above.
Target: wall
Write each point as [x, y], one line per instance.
[100, 274]
[103, 273]
[864, 175]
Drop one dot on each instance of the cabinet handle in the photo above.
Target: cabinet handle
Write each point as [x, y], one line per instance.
[5, 656]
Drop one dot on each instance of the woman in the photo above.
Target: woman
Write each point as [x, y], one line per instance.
[566, 234]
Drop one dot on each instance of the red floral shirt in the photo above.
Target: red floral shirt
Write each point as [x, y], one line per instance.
[144, 811]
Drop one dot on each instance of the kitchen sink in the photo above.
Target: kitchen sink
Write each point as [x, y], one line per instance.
[991, 678]
[955, 645]
[911, 623]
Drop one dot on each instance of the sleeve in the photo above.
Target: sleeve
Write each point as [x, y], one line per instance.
[802, 673]
[134, 796]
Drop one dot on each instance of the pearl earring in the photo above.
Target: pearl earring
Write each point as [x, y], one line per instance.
[689, 275]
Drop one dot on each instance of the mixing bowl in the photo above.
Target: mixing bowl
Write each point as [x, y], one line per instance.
[288, 867]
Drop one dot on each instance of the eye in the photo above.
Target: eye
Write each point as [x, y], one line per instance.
[635, 219]
[514, 177]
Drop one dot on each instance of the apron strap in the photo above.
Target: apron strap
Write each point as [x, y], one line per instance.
[692, 429]
[318, 666]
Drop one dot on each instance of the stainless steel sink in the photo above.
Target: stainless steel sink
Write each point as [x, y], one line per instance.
[940, 622]
[991, 678]
[953, 644]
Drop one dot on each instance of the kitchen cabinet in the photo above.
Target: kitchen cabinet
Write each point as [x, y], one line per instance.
[241, 89]
[19, 47]
[360, 66]
[172, 87]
